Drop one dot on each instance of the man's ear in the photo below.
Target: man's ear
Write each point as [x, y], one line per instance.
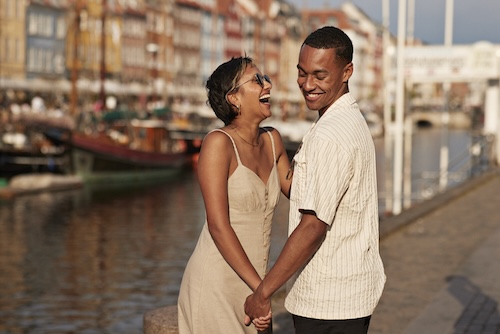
[348, 70]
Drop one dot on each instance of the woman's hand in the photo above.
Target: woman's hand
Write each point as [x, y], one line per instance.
[262, 323]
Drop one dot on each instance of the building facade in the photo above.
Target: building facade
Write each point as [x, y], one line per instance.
[13, 42]
[165, 50]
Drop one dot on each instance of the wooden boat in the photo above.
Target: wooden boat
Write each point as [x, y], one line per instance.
[21, 161]
[139, 151]
[35, 154]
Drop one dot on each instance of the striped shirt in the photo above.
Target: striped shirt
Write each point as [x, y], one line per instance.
[335, 176]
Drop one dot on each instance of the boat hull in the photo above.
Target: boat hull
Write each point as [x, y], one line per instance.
[14, 162]
[99, 169]
[99, 160]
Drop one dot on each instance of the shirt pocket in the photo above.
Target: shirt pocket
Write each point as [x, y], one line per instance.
[299, 168]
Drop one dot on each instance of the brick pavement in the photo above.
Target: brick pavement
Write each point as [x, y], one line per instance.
[442, 264]
[441, 260]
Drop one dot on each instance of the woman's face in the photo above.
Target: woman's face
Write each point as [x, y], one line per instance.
[254, 94]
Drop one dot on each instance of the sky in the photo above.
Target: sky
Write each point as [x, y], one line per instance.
[473, 20]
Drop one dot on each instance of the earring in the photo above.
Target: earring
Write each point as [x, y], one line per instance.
[239, 109]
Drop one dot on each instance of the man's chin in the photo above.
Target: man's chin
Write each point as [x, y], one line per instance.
[311, 106]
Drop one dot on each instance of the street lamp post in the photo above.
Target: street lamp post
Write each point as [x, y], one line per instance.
[497, 155]
[387, 106]
[399, 119]
[445, 119]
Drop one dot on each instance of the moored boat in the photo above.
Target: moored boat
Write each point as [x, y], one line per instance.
[28, 151]
[137, 151]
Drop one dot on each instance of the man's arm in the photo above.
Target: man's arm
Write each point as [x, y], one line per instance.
[299, 248]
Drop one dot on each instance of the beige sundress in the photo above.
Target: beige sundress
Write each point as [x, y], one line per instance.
[212, 295]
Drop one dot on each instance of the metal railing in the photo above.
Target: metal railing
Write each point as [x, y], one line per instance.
[476, 159]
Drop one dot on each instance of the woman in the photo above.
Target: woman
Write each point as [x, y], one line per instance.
[241, 170]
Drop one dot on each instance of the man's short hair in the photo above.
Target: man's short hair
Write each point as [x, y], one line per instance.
[330, 37]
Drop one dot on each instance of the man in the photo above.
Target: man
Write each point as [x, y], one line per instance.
[331, 259]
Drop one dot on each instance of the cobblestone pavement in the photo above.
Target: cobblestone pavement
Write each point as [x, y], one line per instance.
[442, 261]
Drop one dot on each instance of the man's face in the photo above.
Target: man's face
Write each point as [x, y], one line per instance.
[322, 77]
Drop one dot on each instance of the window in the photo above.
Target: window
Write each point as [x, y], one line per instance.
[32, 24]
[38, 59]
[17, 49]
[48, 23]
[9, 8]
[169, 26]
[31, 60]
[160, 25]
[6, 50]
[61, 27]
[19, 8]
[59, 63]
[49, 56]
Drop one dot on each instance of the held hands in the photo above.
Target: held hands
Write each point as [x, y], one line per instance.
[261, 323]
[258, 311]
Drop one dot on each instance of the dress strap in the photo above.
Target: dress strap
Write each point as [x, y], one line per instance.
[272, 144]
[234, 144]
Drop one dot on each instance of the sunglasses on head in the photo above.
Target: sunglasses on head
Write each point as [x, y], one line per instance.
[259, 78]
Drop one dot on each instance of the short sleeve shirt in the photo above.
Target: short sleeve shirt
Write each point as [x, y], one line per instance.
[335, 176]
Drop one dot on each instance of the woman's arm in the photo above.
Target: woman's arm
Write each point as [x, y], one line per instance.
[215, 165]
[283, 163]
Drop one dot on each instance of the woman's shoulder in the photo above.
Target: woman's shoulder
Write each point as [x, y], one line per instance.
[217, 138]
[218, 133]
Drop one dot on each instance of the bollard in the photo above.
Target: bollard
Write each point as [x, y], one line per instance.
[161, 321]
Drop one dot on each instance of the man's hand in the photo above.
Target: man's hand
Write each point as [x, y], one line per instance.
[256, 307]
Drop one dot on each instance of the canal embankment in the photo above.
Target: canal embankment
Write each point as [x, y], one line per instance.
[25, 184]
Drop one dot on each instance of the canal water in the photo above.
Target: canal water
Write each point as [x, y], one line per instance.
[95, 260]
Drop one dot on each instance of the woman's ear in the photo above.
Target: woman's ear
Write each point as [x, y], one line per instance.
[233, 99]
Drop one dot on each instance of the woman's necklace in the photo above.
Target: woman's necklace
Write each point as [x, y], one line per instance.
[253, 145]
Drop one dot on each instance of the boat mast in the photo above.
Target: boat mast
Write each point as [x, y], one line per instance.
[102, 94]
[75, 62]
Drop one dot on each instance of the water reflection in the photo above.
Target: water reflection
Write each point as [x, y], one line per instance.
[421, 174]
[92, 262]
[95, 260]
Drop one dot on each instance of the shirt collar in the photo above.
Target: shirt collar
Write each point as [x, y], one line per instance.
[344, 100]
